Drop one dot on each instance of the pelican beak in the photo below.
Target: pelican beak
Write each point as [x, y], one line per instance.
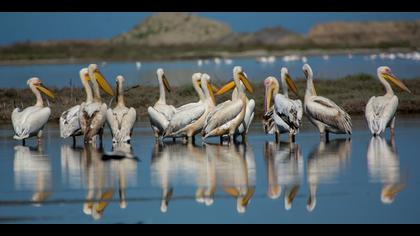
[248, 196]
[103, 201]
[45, 90]
[292, 194]
[306, 74]
[103, 83]
[291, 84]
[390, 77]
[226, 88]
[87, 78]
[244, 80]
[268, 96]
[231, 191]
[166, 83]
[211, 89]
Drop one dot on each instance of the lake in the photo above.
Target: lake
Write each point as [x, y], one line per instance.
[179, 72]
[362, 180]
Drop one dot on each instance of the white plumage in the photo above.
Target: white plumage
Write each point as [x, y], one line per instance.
[30, 121]
[121, 119]
[380, 111]
[327, 116]
[161, 113]
[285, 116]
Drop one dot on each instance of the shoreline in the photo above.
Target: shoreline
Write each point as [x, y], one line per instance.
[194, 55]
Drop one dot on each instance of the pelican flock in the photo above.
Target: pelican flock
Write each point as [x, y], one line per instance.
[226, 118]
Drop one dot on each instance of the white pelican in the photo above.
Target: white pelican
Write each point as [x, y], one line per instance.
[285, 168]
[249, 113]
[121, 119]
[30, 122]
[380, 111]
[190, 119]
[322, 112]
[286, 114]
[228, 116]
[69, 120]
[384, 167]
[161, 113]
[92, 115]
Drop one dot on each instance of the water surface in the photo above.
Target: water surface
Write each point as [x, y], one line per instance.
[362, 180]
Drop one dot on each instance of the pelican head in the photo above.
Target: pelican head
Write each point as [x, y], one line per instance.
[384, 72]
[271, 87]
[238, 76]
[95, 73]
[162, 79]
[36, 83]
[207, 86]
[196, 78]
[307, 70]
[274, 191]
[84, 74]
[287, 80]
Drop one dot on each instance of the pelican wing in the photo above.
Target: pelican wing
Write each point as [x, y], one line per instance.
[158, 120]
[227, 112]
[185, 117]
[30, 121]
[289, 111]
[166, 110]
[121, 122]
[69, 122]
[380, 111]
[268, 122]
[327, 112]
[95, 116]
[249, 117]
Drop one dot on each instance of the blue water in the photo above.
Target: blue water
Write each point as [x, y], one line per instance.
[213, 183]
[179, 72]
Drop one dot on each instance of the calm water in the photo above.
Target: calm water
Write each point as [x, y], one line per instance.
[179, 72]
[361, 180]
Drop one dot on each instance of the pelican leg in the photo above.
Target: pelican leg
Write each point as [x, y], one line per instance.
[174, 139]
[292, 138]
[277, 135]
[39, 137]
[244, 137]
[74, 141]
[221, 140]
[392, 127]
[23, 142]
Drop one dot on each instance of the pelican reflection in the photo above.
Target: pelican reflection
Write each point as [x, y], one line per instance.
[206, 168]
[285, 168]
[178, 164]
[325, 163]
[91, 169]
[32, 171]
[384, 167]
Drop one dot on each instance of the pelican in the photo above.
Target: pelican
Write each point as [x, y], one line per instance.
[69, 120]
[30, 122]
[121, 119]
[249, 113]
[189, 122]
[322, 112]
[92, 115]
[380, 111]
[228, 116]
[161, 113]
[286, 114]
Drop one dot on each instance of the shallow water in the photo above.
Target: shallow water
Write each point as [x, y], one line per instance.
[361, 180]
[179, 72]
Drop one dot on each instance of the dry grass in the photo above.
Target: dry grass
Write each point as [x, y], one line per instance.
[352, 93]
